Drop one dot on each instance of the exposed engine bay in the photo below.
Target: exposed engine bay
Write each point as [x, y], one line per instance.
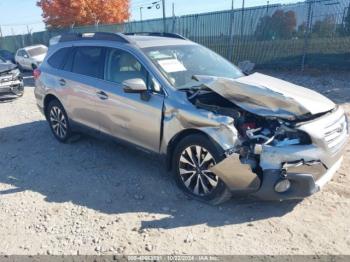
[253, 129]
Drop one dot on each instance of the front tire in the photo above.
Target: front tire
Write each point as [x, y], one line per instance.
[192, 159]
[58, 121]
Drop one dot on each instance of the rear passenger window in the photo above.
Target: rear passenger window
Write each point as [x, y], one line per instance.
[58, 58]
[89, 61]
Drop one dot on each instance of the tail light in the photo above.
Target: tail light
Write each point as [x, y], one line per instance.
[36, 73]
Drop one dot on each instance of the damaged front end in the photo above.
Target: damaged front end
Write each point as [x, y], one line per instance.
[286, 147]
[11, 82]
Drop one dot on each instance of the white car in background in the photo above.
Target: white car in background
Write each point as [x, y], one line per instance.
[30, 57]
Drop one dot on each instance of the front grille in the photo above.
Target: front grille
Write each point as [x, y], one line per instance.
[5, 78]
[335, 134]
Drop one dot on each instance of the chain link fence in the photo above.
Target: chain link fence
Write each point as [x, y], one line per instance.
[314, 33]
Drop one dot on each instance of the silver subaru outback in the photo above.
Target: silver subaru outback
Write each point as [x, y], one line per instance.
[222, 133]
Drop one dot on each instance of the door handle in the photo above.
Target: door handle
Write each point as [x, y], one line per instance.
[62, 82]
[102, 95]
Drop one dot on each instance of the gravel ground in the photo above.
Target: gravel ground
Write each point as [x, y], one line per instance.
[97, 197]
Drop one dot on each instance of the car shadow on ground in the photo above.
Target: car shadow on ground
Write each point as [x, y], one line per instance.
[112, 179]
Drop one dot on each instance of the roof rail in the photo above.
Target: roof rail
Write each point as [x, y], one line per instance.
[94, 36]
[171, 35]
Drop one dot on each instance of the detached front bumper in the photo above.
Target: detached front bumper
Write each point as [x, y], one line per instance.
[302, 184]
[307, 167]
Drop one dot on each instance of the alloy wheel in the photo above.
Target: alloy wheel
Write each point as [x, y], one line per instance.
[58, 122]
[194, 168]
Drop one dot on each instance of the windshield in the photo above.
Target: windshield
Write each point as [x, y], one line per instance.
[37, 51]
[179, 63]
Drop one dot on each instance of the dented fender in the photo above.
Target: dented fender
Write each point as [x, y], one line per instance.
[177, 119]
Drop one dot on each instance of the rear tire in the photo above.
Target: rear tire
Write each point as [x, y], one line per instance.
[192, 159]
[58, 121]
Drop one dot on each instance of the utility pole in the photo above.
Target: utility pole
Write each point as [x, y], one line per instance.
[29, 35]
[164, 21]
[231, 41]
[346, 11]
[141, 13]
[267, 7]
[97, 22]
[141, 21]
[242, 22]
[0, 31]
[174, 21]
[307, 34]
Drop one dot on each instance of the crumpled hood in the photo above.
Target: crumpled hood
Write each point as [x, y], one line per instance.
[4, 67]
[268, 96]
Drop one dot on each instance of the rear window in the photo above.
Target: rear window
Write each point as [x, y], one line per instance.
[37, 51]
[89, 61]
[58, 58]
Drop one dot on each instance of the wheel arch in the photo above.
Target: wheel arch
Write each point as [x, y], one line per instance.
[48, 98]
[181, 135]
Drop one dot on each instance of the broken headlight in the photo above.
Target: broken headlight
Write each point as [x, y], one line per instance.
[15, 73]
[294, 137]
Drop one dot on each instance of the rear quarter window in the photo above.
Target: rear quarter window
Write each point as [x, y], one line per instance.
[58, 59]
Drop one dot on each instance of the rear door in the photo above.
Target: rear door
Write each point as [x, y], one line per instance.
[77, 80]
[83, 81]
[125, 115]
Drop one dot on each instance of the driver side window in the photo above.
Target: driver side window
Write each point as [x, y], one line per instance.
[25, 54]
[121, 66]
[20, 53]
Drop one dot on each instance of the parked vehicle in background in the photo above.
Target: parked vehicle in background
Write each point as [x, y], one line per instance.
[54, 40]
[7, 55]
[30, 57]
[221, 132]
[11, 81]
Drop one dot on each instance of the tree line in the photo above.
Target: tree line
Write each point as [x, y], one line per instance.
[283, 25]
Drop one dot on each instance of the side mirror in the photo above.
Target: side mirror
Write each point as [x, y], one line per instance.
[26, 56]
[246, 67]
[135, 85]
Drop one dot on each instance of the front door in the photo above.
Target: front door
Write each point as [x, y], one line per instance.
[26, 61]
[129, 116]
